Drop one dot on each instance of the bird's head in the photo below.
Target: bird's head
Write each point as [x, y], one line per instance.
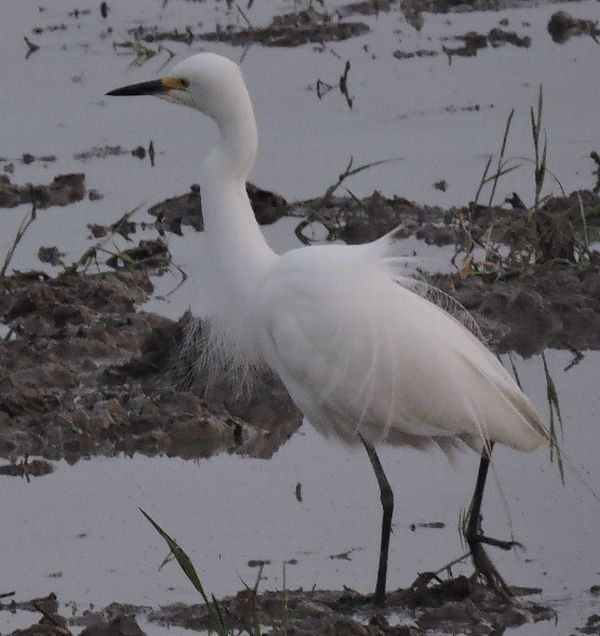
[208, 82]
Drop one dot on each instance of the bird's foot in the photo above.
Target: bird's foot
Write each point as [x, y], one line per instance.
[484, 567]
[497, 543]
[378, 600]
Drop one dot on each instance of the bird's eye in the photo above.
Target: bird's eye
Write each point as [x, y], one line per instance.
[184, 83]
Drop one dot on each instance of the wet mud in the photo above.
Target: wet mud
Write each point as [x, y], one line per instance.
[102, 152]
[456, 605]
[83, 373]
[186, 209]
[562, 26]
[287, 30]
[556, 307]
[298, 30]
[64, 190]
[319, 26]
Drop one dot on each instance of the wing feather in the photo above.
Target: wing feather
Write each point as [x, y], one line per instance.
[362, 350]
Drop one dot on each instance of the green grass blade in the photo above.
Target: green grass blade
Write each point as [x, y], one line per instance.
[501, 157]
[187, 566]
[182, 558]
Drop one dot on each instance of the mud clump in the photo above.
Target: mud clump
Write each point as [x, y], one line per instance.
[473, 42]
[151, 254]
[64, 189]
[290, 36]
[102, 152]
[408, 55]
[186, 209]
[550, 300]
[562, 26]
[50, 255]
[458, 605]
[558, 308]
[293, 29]
[83, 372]
[115, 620]
[35, 468]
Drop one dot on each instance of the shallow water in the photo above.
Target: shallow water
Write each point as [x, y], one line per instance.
[411, 110]
[82, 521]
[227, 511]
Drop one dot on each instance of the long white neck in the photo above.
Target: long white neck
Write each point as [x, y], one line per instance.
[239, 255]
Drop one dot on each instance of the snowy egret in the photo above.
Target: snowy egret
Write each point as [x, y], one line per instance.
[367, 353]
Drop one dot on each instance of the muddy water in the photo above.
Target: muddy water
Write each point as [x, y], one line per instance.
[78, 531]
[420, 110]
[228, 511]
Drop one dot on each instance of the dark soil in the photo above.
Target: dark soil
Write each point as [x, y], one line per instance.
[556, 307]
[64, 189]
[555, 303]
[473, 42]
[187, 208]
[562, 26]
[458, 605]
[82, 373]
[290, 35]
[289, 30]
[102, 152]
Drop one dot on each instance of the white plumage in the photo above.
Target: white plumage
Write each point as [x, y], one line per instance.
[358, 347]
[361, 352]
[361, 348]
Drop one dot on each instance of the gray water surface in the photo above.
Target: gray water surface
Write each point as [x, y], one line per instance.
[78, 532]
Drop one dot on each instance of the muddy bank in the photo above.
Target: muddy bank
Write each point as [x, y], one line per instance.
[552, 307]
[535, 284]
[318, 25]
[458, 605]
[186, 209]
[83, 373]
[287, 30]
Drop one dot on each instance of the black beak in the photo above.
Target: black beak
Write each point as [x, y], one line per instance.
[155, 87]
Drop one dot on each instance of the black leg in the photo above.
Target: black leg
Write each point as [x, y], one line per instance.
[475, 537]
[387, 502]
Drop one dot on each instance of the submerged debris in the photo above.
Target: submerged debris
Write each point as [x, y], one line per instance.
[28, 158]
[101, 152]
[459, 605]
[292, 29]
[366, 7]
[456, 606]
[149, 254]
[562, 26]
[407, 55]
[474, 41]
[64, 189]
[25, 468]
[51, 255]
[289, 36]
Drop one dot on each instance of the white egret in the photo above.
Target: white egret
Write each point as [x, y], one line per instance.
[364, 351]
